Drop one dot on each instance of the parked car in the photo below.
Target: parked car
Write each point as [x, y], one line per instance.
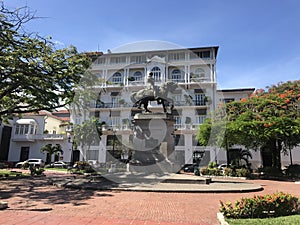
[34, 162]
[59, 164]
[222, 167]
[189, 167]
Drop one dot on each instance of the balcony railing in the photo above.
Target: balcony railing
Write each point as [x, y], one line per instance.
[190, 102]
[107, 105]
[186, 126]
[34, 137]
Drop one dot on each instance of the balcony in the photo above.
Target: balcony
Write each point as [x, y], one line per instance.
[190, 103]
[35, 137]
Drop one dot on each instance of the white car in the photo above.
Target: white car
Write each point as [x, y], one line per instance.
[34, 162]
[59, 164]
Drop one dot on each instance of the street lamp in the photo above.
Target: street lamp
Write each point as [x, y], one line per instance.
[72, 150]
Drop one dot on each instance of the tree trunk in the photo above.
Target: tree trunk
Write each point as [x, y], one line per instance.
[275, 146]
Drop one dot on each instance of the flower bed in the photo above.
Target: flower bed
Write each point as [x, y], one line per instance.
[270, 205]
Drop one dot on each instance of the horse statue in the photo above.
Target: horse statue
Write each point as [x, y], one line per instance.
[158, 94]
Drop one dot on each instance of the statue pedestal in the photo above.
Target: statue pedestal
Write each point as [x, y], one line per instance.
[153, 142]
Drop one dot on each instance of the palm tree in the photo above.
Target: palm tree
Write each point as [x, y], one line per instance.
[51, 150]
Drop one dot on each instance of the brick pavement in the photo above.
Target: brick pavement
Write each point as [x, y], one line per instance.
[68, 206]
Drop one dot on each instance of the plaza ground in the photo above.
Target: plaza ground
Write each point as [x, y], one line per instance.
[37, 201]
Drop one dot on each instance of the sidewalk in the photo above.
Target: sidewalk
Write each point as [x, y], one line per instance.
[36, 201]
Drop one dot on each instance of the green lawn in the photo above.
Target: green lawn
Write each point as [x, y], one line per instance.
[284, 220]
[57, 169]
[11, 174]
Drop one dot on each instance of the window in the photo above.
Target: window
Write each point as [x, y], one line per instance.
[138, 76]
[200, 119]
[200, 54]
[139, 59]
[117, 78]
[118, 60]
[22, 129]
[198, 75]
[100, 60]
[92, 154]
[115, 121]
[176, 56]
[156, 73]
[115, 101]
[176, 75]
[199, 99]
[177, 120]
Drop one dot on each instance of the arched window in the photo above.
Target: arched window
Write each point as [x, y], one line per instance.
[198, 75]
[156, 73]
[117, 78]
[138, 76]
[176, 75]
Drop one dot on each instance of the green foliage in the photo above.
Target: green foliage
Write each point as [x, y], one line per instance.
[243, 172]
[270, 171]
[293, 170]
[52, 149]
[34, 75]
[212, 165]
[267, 119]
[210, 171]
[35, 171]
[270, 205]
[88, 132]
[82, 167]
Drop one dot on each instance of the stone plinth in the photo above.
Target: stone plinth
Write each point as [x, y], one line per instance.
[153, 140]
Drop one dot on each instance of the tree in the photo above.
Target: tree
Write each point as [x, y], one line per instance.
[34, 75]
[267, 120]
[87, 133]
[52, 150]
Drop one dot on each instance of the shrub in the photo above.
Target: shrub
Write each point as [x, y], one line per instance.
[210, 171]
[229, 172]
[204, 171]
[83, 166]
[212, 165]
[35, 171]
[243, 172]
[293, 170]
[276, 204]
[270, 171]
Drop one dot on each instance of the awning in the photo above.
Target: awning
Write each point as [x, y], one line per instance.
[26, 121]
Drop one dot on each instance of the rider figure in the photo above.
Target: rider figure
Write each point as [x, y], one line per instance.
[151, 86]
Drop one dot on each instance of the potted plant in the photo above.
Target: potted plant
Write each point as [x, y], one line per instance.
[207, 100]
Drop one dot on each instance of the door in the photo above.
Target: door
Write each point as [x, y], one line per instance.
[24, 155]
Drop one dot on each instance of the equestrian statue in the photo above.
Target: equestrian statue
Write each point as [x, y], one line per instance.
[154, 93]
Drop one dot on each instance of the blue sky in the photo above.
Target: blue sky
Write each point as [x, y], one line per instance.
[258, 39]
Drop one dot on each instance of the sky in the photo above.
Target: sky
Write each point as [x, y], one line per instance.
[258, 39]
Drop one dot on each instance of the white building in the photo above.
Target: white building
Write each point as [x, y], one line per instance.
[31, 132]
[120, 74]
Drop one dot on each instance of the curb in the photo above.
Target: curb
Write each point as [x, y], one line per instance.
[221, 219]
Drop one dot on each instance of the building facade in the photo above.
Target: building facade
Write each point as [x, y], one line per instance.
[31, 132]
[120, 74]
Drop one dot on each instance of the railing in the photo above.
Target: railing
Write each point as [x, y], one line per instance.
[190, 102]
[186, 126]
[33, 137]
